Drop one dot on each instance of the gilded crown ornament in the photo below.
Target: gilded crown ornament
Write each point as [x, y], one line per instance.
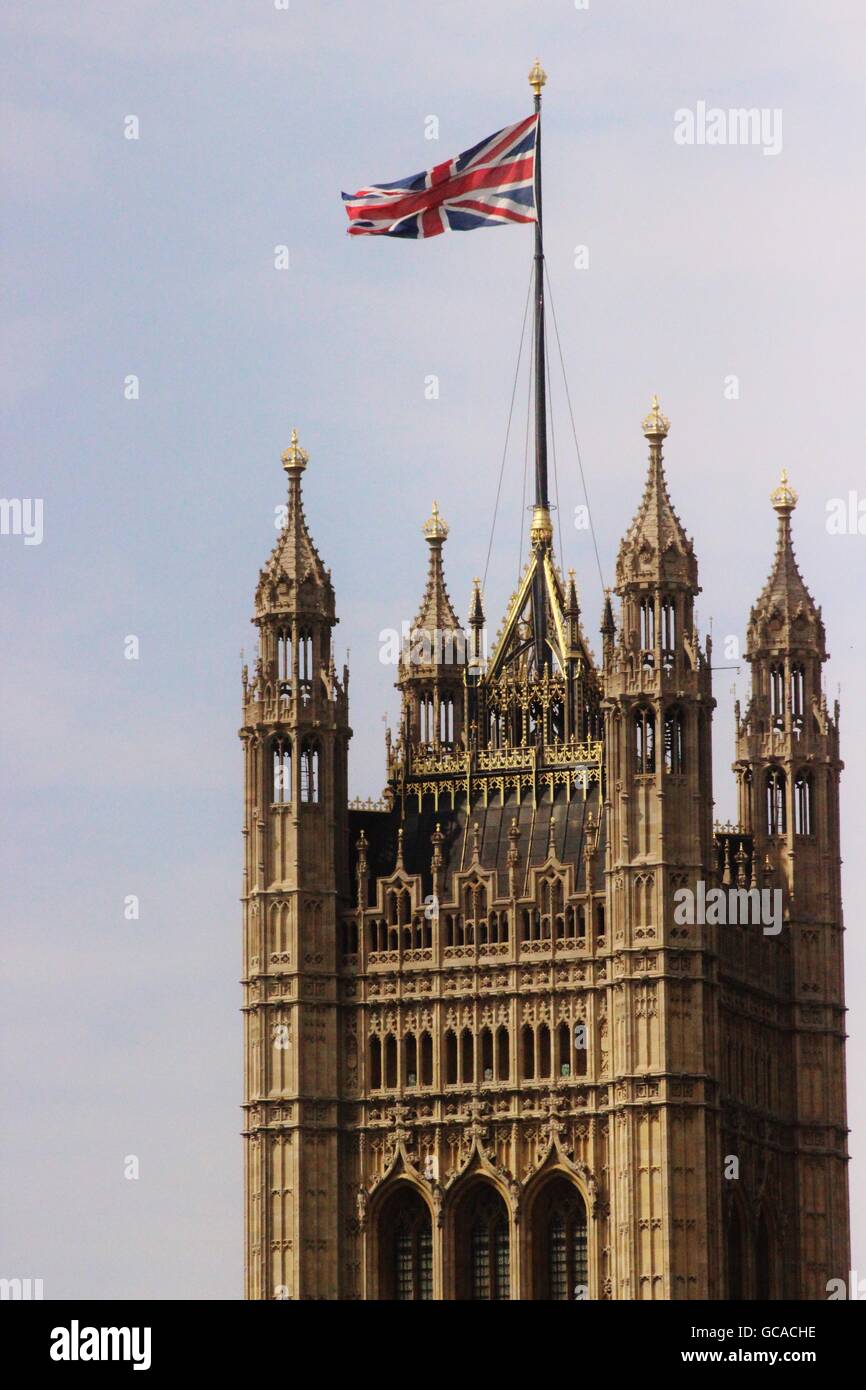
[295, 457]
[655, 425]
[783, 497]
[434, 527]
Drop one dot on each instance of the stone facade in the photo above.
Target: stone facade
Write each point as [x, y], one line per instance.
[490, 1053]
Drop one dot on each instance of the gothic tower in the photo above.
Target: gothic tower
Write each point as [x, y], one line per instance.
[295, 734]
[785, 1065]
[658, 804]
[491, 1053]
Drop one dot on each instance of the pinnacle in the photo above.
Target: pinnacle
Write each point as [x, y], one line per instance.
[436, 613]
[656, 544]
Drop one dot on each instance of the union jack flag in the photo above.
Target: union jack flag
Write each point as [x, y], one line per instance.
[488, 186]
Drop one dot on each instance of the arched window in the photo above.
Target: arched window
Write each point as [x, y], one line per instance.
[543, 1050]
[410, 1061]
[777, 696]
[776, 811]
[446, 720]
[426, 1059]
[487, 1073]
[803, 803]
[425, 718]
[798, 679]
[669, 626]
[645, 740]
[599, 920]
[310, 770]
[467, 1055]
[305, 657]
[647, 625]
[483, 1246]
[503, 1054]
[390, 1061]
[560, 1243]
[405, 1247]
[450, 1058]
[281, 793]
[528, 1047]
[284, 656]
[375, 1063]
[674, 743]
[563, 1041]
[581, 1049]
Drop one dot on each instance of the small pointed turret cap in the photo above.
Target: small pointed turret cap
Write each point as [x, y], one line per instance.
[436, 618]
[608, 626]
[294, 563]
[785, 614]
[656, 547]
[476, 607]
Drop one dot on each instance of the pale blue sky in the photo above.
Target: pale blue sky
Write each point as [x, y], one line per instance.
[155, 257]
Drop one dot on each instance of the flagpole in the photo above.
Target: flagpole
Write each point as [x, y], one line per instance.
[542, 530]
[537, 79]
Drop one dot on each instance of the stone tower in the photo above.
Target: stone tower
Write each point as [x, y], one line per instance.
[491, 1051]
[784, 1058]
[295, 734]
[658, 806]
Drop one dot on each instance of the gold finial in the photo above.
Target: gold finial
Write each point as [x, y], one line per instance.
[783, 497]
[655, 425]
[434, 527]
[541, 530]
[295, 457]
[537, 77]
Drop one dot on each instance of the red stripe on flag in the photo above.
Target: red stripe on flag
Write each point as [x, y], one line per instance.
[513, 136]
[491, 210]
[518, 171]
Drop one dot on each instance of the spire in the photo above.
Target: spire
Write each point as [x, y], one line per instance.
[476, 625]
[294, 563]
[656, 547]
[785, 613]
[608, 626]
[436, 614]
[476, 608]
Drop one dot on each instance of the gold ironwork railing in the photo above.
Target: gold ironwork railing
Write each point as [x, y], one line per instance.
[577, 752]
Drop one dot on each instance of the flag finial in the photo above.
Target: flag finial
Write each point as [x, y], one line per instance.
[537, 77]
